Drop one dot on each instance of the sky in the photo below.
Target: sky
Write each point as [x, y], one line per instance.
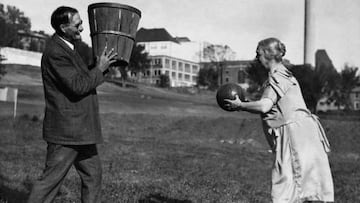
[240, 24]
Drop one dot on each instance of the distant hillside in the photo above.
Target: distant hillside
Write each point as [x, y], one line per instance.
[21, 75]
[17, 74]
[27, 75]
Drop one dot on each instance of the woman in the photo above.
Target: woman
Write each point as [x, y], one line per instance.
[301, 171]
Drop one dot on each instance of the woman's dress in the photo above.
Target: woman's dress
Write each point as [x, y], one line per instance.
[301, 170]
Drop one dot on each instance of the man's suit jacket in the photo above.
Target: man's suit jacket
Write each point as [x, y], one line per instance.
[71, 105]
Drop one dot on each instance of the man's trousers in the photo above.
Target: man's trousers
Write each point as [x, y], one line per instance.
[59, 160]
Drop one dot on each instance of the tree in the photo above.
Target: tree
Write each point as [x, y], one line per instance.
[18, 18]
[257, 75]
[349, 80]
[8, 32]
[208, 77]
[11, 21]
[2, 67]
[139, 61]
[217, 55]
[164, 81]
[326, 83]
[305, 74]
[317, 83]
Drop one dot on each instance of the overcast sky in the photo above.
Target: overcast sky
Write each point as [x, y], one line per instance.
[239, 24]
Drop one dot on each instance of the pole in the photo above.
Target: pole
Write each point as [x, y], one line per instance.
[309, 35]
[15, 101]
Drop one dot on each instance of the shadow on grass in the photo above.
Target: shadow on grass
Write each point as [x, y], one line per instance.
[11, 195]
[157, 198]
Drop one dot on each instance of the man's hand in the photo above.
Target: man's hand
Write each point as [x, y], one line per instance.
[103, 62]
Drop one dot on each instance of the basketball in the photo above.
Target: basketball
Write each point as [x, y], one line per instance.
[229, 91]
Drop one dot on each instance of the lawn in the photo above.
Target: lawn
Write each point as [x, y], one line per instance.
[162, 146]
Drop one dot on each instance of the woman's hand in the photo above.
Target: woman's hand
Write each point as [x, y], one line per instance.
[234, 104]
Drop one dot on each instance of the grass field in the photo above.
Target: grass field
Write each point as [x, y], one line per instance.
[162, 146]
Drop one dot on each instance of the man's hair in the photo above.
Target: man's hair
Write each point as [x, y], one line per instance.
[62, 15]
[273, 48]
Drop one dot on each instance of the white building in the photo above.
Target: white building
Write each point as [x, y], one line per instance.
[177, 57]
[181, 72]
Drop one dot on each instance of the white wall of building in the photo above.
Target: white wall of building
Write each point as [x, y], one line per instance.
[190, 51]
[19, 56]
[159, 47]
[181, 72]
[170, 56]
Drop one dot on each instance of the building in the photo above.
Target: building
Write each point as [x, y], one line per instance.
[325, 105]
[322, 59]
[181, 72]
[355, 98]
[32, 41]
[177, 57]
[158, 41]
[19, 56]
[231, 72]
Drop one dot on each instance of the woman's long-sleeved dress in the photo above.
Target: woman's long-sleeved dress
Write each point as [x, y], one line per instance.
[301, 170]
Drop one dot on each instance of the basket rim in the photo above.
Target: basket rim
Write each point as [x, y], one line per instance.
[114, 5]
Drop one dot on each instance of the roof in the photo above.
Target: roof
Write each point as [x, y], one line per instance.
[323, 59]
[234, 62]
[171, 57]
[356, 89]
[32, 34]
[154, 35]
[182, 39]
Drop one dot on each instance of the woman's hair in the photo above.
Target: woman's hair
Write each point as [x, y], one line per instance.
[62, 15]
[273, 49]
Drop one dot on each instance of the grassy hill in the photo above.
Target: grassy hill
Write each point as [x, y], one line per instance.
[113, 98]
[162, 146]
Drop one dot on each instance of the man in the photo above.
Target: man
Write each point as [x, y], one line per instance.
[71, 125]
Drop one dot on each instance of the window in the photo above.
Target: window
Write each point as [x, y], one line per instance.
[195, 69]
[173, 65]
[187, 68]
[187, 77]
[167, 63]
[356, 105]
[226, 79]
[180, 65]
[194, 79]
[157, 61]
[180, 76]
[167, 72]
[173, 74]
[241, 77]
[157, 72]
[163, 46]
